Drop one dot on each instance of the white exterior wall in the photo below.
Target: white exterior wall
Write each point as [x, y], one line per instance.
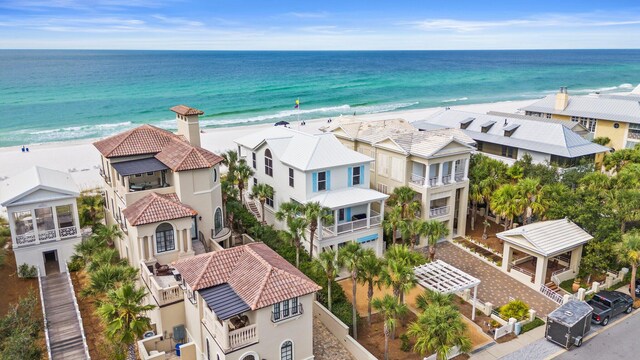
[536, 157]
[34, 255]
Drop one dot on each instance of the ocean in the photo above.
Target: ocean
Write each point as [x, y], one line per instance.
[60, 95]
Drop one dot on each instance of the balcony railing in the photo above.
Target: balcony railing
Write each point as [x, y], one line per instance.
[105, 176]
[459, 176]
[243, 336]
[163, 295]
[439, 211]
[421, 180]
[284, 314]
[446, 179]
[230, 339]
[25, 239]
[68, 232]
[47, 235]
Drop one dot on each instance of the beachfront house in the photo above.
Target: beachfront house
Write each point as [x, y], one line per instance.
[316, 168]
[509, 138]
[163, 190]
[614, 116]
[433, 163]
[243, 303]
[43, 217]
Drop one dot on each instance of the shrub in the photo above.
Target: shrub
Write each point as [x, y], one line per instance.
[342, 310]
[532, 325]
[516, 309]
[75, 265]
[27, 271]
[20, 330]
[404, 343]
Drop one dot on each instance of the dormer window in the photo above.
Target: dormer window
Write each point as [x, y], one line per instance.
[466, 122]
[510, 129]
[487, 126]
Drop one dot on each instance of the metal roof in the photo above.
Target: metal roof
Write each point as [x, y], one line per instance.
[140, 166]
[540, 136]
[547, 238]
[224, 302]
[488, 123]
[571, 313]
[58, 184]
[592, 106]
[350, 196]
[442, 277]
[467, 120]
[511, 127]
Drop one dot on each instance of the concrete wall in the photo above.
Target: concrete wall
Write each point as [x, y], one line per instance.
[34, 255]
[605, 128]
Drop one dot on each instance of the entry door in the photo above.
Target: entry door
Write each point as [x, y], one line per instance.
[51, 265]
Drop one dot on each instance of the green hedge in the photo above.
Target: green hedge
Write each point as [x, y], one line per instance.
[243, 220]
[532, 325]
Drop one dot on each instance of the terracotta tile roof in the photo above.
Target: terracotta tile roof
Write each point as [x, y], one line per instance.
[186, 111]
[171, 149]
[256, 273]
[155, 208]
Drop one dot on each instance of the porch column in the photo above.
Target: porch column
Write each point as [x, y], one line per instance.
[576, 256]
[335, 221]
[145, 248]
[151, 249]
[368, 215]
[140, 243]
[55, 222]
[541, 270]
[453, 171]
[74, 214]
[466, 170]
[381, 210]
[178, 241]
[475, 296]
[225, 335]
[187, 239]
[34, 224]
[506, 257]
[440, 171]
[319, 232]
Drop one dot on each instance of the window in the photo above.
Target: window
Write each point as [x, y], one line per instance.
[208, 350]
[217, 221]
[322, 181]
[383, 165]
[150, 173]
[253, 160]
[249, 357]
[397, 168]
[634, 131]
[44, 219]
[255, 181]
[23, 222]
[356, 175]
[589, 123]
[341, 215]
[164, 238]
[291, 182]
[268, 163]
[509, 151]
[479, 145]
[215, 175]
[383, 188]
[65, 215]
[286, 350]
[548, 116]
[269, 202]
[286, 309]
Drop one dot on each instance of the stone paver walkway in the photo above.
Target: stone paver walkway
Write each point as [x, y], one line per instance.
[325, 345]
[495, 286]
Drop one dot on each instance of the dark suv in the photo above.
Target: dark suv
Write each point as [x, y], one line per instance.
[637, 288]
[607, 304]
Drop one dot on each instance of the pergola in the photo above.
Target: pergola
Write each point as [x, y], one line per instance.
[444, 278]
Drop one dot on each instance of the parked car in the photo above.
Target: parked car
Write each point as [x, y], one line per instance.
[607, 304]
[637, 288]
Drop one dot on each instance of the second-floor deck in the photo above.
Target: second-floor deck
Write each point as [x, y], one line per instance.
[161, 282]
[233, 333]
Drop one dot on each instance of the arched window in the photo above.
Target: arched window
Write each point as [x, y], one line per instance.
[215, 175]
[217, 221]
[286, 350]
[249, 357]
[268, 163]
[165, 240]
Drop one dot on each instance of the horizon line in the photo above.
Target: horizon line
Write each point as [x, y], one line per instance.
[307, 50]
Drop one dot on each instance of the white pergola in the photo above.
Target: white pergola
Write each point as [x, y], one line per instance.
[444, 278]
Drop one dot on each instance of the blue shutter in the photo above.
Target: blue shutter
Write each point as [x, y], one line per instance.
[328, 180]
[362, 177]
[350, 177]
[347, 214]
[314, 181]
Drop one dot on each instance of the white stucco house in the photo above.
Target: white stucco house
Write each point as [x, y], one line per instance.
[304, 168]
[43, 217]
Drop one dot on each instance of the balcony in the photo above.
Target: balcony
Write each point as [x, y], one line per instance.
[26, 239]
[439, 211]
[68, 232]
[48, 235]
[161, 283]
[105, 176]
[231, 334]
[157, 348]
[351, 226]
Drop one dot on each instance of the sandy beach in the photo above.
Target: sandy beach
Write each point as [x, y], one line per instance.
[81, 159]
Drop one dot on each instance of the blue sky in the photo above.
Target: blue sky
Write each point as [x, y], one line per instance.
[322, 25]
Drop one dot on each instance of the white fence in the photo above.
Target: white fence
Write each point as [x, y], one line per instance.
[551, 294]
[44, 315]
[455, 351]
[77, 309]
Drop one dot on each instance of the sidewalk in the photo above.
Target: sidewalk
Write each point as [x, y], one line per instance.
[498, 351]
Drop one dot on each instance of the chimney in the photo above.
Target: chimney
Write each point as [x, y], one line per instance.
[562, 99]
[188, 123]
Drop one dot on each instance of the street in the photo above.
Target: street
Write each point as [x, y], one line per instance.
[617, 342]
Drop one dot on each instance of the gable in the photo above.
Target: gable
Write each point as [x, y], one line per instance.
[39, 195]
[339, 132]
[389, 145]
[451, 148]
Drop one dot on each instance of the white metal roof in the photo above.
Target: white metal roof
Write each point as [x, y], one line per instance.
[304, 151]
[540, 136]
[592, 106]
[350, 196]
[547, 238]
[444, 278]
[57, 184]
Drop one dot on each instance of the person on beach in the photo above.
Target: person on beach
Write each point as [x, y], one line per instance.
[22, 148]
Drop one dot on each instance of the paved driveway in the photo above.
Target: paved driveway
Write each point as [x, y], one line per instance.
[495, 286]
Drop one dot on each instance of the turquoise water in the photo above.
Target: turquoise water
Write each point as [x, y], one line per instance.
[65, 95]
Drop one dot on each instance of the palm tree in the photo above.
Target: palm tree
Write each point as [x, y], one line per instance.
[397, 270]
[390, 310]
[529, 190]
[314, 211]
[351, 255]
[262, 192]
[506, 202]
[104, 257]
[331, 263]
[242, 174]
[90, 209]
[439, 329]
[494, 179]
[368, 271]
[435, 230]
[296, 232]
[228, 191]
[430, 297]
[123, 314]
[106, 278]
[110, 233]
[413, 230]
[230, 160]
[404, 197]
[289, 210]
[393, 220]
[475, 196]
[87, 248]
[629, 252]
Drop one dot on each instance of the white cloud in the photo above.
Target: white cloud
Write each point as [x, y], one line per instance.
[307, 15]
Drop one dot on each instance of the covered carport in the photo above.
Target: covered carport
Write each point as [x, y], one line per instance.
[444, 278]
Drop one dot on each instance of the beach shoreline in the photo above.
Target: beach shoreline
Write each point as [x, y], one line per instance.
[82, 160]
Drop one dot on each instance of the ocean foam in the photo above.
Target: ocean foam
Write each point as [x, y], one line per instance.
[454, 100]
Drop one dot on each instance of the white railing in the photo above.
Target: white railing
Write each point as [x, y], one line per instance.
[243, 336]
[502, 331]
[439, 211]
[44, 315]
[163, 295]
[564, 259]
[433, 181]
[556, 275]
[459, 176]
[47, 235]
[352, 226]
[418, 179]
[77, 309]
[528, 274]
[26, 239]
[551, 294]
[68, 231]
[375, 220]
[446, 179]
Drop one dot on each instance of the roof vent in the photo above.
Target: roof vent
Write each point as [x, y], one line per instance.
[505, 122]
[568, 313]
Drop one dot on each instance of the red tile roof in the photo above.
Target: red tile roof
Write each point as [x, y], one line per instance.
[256, 273]
[186, 111]
[156, 208]
[171, 149]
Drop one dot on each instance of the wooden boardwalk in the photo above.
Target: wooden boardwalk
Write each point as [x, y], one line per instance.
[64, 329]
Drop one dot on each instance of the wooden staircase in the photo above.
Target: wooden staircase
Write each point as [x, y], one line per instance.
[251, 205]
[553, 287]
